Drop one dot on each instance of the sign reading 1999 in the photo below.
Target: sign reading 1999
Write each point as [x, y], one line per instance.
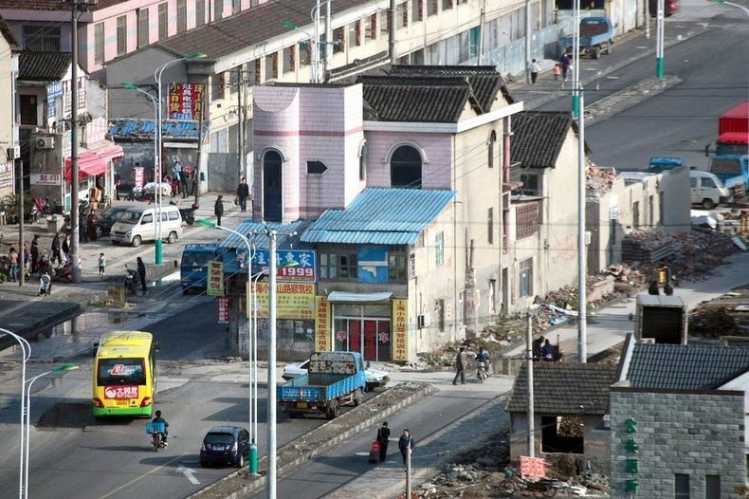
[290, 264]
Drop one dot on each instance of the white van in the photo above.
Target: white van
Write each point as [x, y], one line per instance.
[707, 189]
[137, 225]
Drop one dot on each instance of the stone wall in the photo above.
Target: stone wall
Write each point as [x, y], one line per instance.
[696, 434]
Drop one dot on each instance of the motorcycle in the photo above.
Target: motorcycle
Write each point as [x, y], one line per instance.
[130, 282]
[64, 273]
[156, 430]
[482, 372]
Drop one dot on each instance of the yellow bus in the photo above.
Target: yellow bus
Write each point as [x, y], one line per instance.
[124, 374]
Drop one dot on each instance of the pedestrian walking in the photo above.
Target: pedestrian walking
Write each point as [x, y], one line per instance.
[55, 250]
[66, 247]
[564, 62]
[194, 183]
[405, 442]
[459, 368]
[142, 274]
[383, 438]
[35, 254]
[13, 256]
[218, 208]
[91, 226]
[535, 69]
[102, 265]
[243, 192]
[557, 71]
[177, 175]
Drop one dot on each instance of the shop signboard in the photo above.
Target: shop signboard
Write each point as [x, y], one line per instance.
[185, 100]
[215, 278]
[291, 265]
[400, 329]
[322, 324]
[293, 300]
[46, 179]
[139, 176]
[223, 309]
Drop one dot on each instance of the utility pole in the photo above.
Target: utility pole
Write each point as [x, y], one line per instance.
[576, 61]
[408, 468]
[582, 266]
[272, 370]
[531, 411]
[316, 44]
[659, 62]
[21, 254]
[240, 125]
[391, 32]
[647, 19]
[328, 40]
[74, 187]
[528, 41]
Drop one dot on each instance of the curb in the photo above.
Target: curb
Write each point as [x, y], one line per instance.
[259, 483]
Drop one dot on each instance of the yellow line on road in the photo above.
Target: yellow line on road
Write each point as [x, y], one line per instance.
[141, 477]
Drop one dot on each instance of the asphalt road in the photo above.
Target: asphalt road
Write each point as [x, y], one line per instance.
[682, 120]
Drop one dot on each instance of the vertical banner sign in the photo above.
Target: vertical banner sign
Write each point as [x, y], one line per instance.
[400, 330]
[223, 309]
[322, 324]
[138, 171]
[215, 278]
[185, 100]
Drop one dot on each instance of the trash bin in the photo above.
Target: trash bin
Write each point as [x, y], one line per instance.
[55, 223]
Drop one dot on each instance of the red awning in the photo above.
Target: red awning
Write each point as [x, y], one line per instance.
[733, 138]
[110, 152]
[93, 162]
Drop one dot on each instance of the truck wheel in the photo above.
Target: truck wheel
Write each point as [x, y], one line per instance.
[708, 204]
[332, 411]
[596, 52]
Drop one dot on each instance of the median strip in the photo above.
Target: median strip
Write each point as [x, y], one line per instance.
[631, 96]
[297, 452]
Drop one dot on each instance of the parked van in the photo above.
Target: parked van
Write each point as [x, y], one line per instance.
[707, 189]
[138, 225]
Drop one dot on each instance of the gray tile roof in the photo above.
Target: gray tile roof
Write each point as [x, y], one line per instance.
[248, 28]
[7, 34]
[564, 389]
[43, 66]
[695, 366]
[538, 137]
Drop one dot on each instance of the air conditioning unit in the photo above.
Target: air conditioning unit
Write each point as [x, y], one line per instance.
[45, 142]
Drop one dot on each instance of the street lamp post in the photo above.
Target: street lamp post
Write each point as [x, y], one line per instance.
[659, 62]
[25, 354]
[272, 369]
[62, 368]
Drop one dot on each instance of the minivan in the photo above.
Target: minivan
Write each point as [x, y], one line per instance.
[707, 189]
[225, 445]
[137, 225]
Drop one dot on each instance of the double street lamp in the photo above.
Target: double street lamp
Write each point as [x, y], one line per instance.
[25, 354]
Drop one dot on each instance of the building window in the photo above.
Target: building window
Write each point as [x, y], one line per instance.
[121, 35]
[474, 42]
[492, 296]
[490, 226]
[432, 7]
[397, 266]
[681, 486]
[405, 168]
[636, 214]
[370, 28]
[288, 59]
[525, 277]
[338, 265]
[339, 44]
[447, 4]
[354, 34]
[271, 66]
[440, 306]
[363, 162]
[527, 219]
[99, 43]
[492, 142]
[562, 434]
[418, 10]
[41, 38]
[712, 486]
[530, 184]
[385, 22]
[143, 27]
[218, 9]
[439, 248]
[218, 83]
[199, 12]
[181, 16]
[236, 6]
[305, 53]
[258, 71]
[163, 21]
[401, 14]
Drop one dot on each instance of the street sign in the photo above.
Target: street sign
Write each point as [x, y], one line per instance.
[293, 300]
[322, 324]
[400, 331]
[45, 179]
[215, 278]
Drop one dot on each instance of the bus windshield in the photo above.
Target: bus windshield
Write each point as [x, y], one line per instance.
[121, 372]
[196, 259]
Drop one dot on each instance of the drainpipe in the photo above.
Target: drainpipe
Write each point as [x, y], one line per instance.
[391, 32]
[455, 247]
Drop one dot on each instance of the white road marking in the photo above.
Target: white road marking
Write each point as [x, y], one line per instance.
[745, 9]
[189, 474]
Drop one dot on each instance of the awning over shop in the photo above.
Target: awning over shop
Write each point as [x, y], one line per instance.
[345, 297]
[93, 162]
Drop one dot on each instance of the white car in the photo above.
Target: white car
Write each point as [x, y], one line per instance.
[375, 377]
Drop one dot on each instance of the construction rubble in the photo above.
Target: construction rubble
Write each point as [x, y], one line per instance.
[599, 179]
[727, 315]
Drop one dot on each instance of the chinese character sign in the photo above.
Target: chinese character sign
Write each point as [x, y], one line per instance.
[215, 278]
[532, 467]
[185, 101]
[293, 300]
[139, 176]
[223, 309]
[322, 324]
[291, 265]
[400, 329]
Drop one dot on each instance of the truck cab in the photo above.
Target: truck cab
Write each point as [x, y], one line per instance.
[733, 171]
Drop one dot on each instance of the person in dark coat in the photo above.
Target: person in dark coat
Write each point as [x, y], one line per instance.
[218, 209]
[142, 274]
[35, 254]
[66, 247]
[565, 62]
[459, 368]
[383, 438]
[405, 442]
[55, 249]
[243, 192]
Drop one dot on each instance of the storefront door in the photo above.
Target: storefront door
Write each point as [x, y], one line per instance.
[370, 340]
[363, 329]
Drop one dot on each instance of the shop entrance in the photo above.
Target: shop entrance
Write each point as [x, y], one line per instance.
[364, 331]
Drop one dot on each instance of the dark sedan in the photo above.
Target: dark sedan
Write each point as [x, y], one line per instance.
[224, 445]
[108, 218]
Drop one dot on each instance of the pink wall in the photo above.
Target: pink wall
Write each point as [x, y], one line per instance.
[437, 148]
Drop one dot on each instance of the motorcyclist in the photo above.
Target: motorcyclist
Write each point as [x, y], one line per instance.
[158, 419]
[482, 358]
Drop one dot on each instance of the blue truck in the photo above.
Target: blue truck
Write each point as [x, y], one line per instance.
[733, 171]
[596, 37]
[333, 379]
[193, 269]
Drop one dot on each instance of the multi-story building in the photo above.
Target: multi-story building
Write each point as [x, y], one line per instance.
[9, 143]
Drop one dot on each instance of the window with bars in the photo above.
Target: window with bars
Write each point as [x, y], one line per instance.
[492, 142]
[397, 266]
[370, 28]
[121, 35]
[305, 53]
[525, 278]
[181, 16]
[289, 62]
[402, 15]
[354, 35]
[41, 38]
[99, 43]
[199, 12]
[338, 265]
[681, 486]
[338, 40]
[418, 10]
[144, 27]
[163, 21]
[433, 7]
[490, 226]
[439, 249]
[258, 71]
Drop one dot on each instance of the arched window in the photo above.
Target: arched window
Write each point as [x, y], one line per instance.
[492, 141]
[363, 161]
[405, 168]
[272, 186]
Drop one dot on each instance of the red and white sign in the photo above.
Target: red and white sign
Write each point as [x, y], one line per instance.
[46, 179]
[532, 467]
[121, 392]
[296, 272]
[223, 309]
[138, 176]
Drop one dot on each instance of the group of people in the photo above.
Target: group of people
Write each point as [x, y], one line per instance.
[405, 442]
[182, 180]
[542, 349]
[482, 359]
[561, 69]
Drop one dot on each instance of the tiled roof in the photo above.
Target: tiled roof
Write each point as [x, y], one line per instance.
[7, 34]
[564, 389]
[380, 216]
[43, 66]
[538, 136]
[51, 4]
[695, 366]
[249, 28]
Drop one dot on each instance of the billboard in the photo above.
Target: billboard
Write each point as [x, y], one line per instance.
[185, 101]
[293, 300]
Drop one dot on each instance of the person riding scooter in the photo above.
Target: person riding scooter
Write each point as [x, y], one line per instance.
[158, 419]
[482, 358]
